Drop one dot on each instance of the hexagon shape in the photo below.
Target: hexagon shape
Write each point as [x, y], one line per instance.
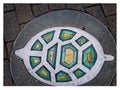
[89, 57]
[69, 56]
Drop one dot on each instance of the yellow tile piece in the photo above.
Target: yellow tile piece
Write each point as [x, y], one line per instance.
[89, 57]
[37, 46]
[69, 56]
[66, 35]
[48, 36]
[51, 55]
[44, 73]
[35, 61]
[62, 77]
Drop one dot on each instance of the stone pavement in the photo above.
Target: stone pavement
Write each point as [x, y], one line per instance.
[17, 15]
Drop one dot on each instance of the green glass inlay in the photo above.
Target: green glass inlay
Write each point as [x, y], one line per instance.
[69, 56]
[82, 40]
[79, 73]
[51, 55]
[48, 36]
[62, 77]
[44, 73]
[89, 57]
[37, 46]
[34, 61]
[66, 34]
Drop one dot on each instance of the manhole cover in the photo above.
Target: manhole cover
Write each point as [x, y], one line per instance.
[61, 55]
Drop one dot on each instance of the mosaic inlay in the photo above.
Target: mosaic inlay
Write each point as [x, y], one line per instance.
[51, 55]
[68, 56]
[34, 61]
[63, 56]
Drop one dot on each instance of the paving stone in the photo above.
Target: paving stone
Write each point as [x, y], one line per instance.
[22, 26]
[11, 27]
[40, 9]
[97, 12]
[56, 6]
[75, 6]
[88, 5]
[8, 7]
[114, 81]
[9, 48]
[5, 51]
[8, 81]
[112, 24]
[24, 13]
[109, 9]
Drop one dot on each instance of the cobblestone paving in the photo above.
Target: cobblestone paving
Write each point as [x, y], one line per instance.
[17, 15]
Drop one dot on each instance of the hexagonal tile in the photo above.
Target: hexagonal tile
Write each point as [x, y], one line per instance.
[69, 56]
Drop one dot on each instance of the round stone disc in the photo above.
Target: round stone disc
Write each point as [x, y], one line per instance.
[64, 18]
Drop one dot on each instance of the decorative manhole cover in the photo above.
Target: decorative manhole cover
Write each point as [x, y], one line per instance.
[52, 49]
[63, 56]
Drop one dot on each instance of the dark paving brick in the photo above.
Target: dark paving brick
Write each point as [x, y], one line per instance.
[97, 12]
[112, 24]
[109, 9]
[11, 27]
[8, 81]
[9, 48]
[5, 52]
[75, 6]
[22, 26]
[40, 9]
[8, 7]
[114, 81]
[88, 5]
[56, 6]
[24, 13]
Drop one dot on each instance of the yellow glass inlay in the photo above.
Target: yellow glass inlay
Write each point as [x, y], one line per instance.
[35, 61]
[48, 36]
[69, 56]
[44, 73]
[51, 55]
[66, 35]
[37, 46]
[89, 56]
[62, 77]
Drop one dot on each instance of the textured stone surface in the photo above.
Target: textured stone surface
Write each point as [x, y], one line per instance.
[97, 12]
[56, 6]
[24, 13]
[40, 9]
[7, 75]
[11, 27]
[75, 6]
[88, 5]
[9, 48]
[5, 51]
[109, 9]
[112, 24]
[8, 7]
